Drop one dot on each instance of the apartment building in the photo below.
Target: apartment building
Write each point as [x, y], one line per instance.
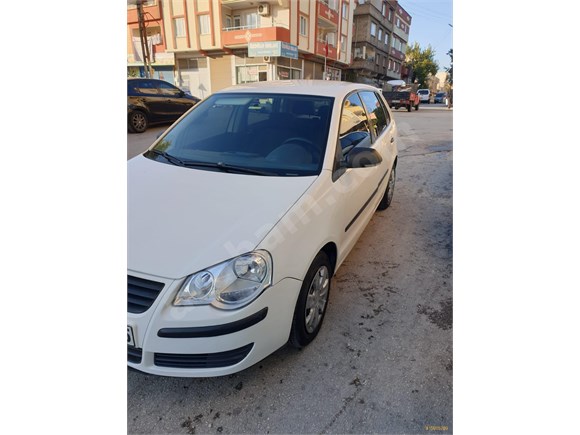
[219, 43]
[379, 42]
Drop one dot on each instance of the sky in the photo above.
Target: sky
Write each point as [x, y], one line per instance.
[431, 20]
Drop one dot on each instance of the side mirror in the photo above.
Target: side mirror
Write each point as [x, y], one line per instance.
[362, 158]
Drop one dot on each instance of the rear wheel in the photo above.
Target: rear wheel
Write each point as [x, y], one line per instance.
[312, 302]
[137, 122]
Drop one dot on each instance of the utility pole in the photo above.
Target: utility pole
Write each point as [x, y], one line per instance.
[143, 37]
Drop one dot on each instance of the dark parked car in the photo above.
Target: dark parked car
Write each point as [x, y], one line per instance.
[152, 101]
[440, 97]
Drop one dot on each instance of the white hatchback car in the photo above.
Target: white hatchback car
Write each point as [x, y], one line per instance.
[241, 213]
[424, 95]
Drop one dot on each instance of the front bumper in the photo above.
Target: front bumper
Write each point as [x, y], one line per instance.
[203, 341]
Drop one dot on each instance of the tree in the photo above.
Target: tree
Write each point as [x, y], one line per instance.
[421, 62]
[450, 69]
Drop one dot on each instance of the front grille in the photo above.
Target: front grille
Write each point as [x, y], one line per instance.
[141, 293]
[134, 354]
[203, 360]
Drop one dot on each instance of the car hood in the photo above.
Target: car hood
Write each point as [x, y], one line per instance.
[182, 220]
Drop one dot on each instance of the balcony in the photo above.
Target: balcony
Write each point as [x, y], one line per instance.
[321, 49]
[327, 17]
[396, 54]
[233, 37]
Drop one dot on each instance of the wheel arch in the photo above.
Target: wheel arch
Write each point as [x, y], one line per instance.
[331, 251]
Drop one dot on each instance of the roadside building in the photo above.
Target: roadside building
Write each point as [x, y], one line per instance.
[217, 43]
[379, 42]
[162, 62]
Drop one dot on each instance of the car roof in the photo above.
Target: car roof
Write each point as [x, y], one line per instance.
[325, 88]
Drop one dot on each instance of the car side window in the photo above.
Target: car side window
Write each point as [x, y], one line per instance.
[354, 124]
[146, 87]
[377, 113]
[354, 130]
[167, 89]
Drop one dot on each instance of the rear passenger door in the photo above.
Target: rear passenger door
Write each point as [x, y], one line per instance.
[172, 101]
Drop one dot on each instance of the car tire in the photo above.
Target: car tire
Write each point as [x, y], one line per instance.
[389, 191]
[137, 122]
[312, 302]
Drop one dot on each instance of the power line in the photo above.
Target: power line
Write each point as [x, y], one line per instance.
[429, 11]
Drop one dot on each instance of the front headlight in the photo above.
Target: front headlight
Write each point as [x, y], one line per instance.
[228, 285]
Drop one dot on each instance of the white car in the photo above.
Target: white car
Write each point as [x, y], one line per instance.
[424, 95]
[240, 214]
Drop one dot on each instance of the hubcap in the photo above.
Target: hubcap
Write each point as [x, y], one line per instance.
[316, 299]
[138, 121]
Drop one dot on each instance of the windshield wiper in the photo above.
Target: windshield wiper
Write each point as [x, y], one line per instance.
[169, 157]
[226, 167]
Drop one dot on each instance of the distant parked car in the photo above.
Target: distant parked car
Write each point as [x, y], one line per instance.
[424, 95]
[440, 97]
[152, 101]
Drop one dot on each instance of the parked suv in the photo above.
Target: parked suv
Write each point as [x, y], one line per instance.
[424, 95]
[152, 101]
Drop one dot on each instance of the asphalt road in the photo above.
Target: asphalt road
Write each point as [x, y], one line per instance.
[383, 361]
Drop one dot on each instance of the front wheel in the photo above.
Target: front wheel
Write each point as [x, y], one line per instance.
[312, 302]
[389, 191]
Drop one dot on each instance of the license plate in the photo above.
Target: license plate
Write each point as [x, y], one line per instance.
[130, 337]
[396, 101]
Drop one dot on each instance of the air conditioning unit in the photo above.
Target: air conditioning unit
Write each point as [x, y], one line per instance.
[264, 9]
[267, 59]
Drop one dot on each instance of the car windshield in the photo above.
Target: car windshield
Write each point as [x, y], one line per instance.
[440, 94]
[262, 134]
[422, 91]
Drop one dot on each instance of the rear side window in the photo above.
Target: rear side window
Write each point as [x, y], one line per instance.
[144, 87]
[167, 89]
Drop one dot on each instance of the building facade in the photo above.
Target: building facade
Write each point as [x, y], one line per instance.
[219, 43]
[379, 42]
[162, 62]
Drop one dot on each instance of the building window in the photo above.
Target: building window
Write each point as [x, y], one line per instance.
[251, 20]
[229, 21]
[345, 11]
[386, 38]
[343, 43]
[303, 26]
[179, 26]
[204, 24]
[398, 22]
[237, 21]
[384, 10]
[331, 39]
[390, 15]
[373, 29]
[378, 59]
[380, 34]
